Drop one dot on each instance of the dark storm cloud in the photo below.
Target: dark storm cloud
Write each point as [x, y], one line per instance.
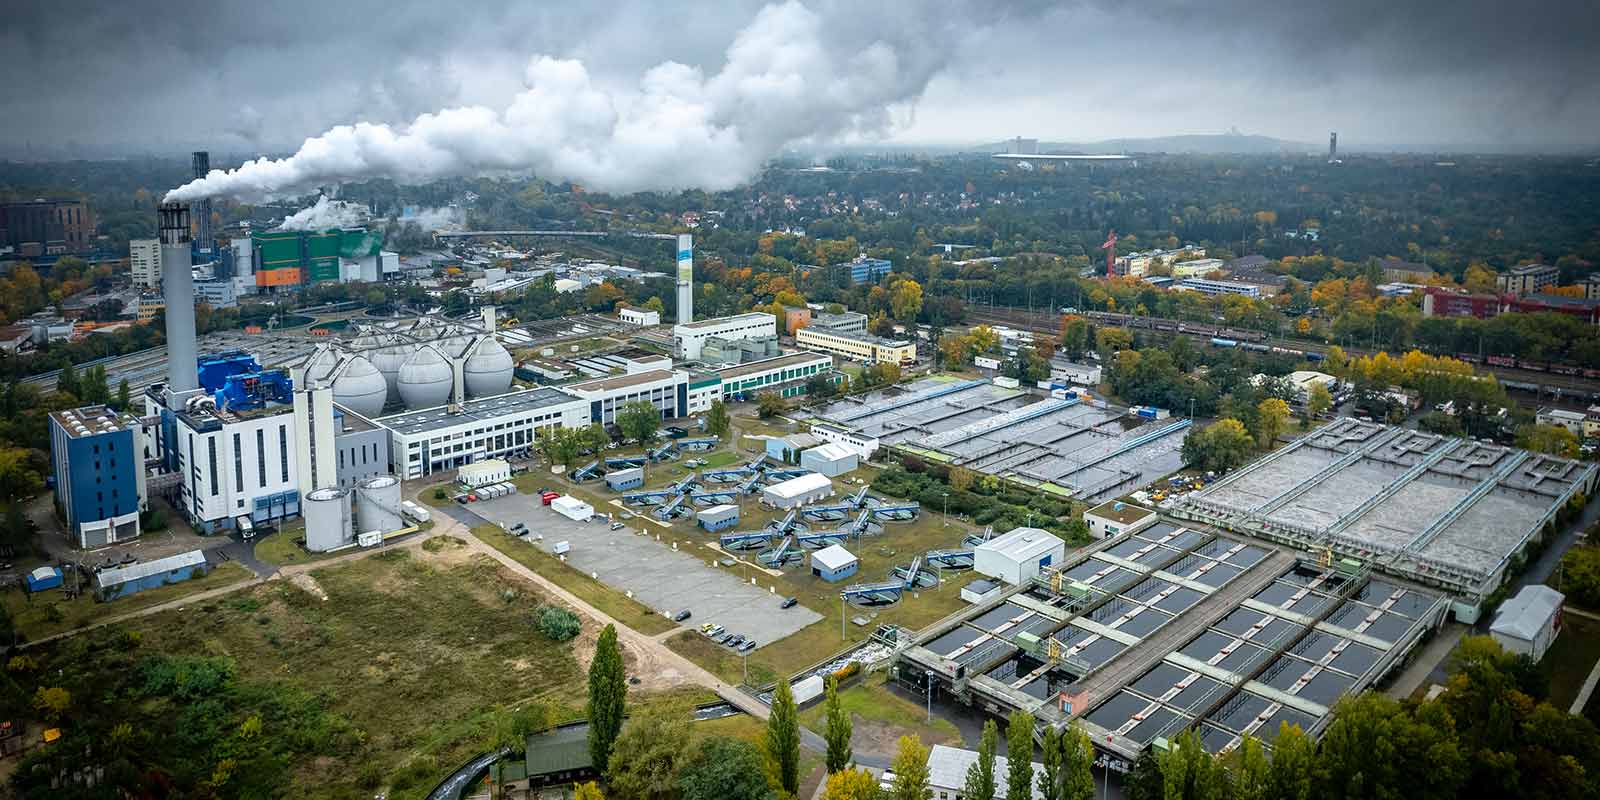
[265, 76]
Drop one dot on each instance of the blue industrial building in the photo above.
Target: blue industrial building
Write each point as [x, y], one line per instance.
[116, 582]
[868, 270]
[97, 455]
[718, 518]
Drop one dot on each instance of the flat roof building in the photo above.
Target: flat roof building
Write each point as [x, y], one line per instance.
[787, 375]
[667, 390]
[798, 491]
[834, 563]
[1018, 555]
[857, 346]
[1114, 518]
[689, 337]
[1527, 279]
[445, 438]
[1529, 622]
[97, 455]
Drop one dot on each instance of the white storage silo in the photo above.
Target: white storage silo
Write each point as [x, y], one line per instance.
[328, 522]
[425, 379]
[488, 369]
[359, 386]
[378, 505]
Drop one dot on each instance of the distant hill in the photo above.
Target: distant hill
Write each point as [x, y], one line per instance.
[1204, 143]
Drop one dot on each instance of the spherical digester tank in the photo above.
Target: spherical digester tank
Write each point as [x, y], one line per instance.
[488, 369]
[425, 379]
[360, 387]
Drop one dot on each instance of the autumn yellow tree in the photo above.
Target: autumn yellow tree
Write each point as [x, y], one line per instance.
[1272, 415]
[1479, 278]
[851, 784]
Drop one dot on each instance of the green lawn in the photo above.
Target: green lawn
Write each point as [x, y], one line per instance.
[51, 612]
[629, 612]
[1567, 663]
[412, 649]
[872, 702]
[721, 459]
[280, 549]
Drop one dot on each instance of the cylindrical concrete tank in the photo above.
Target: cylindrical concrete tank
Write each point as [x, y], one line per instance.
[378, 505]
[328, 523]
[360, 387]
[488, 369]
[425, 379]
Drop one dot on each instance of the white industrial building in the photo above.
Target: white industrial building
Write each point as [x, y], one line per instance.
[1114, 518]
[667, 390]
[798, 491]
[688, 338]
[643, 317]
[831, 459]
[483, 473]
[1017, 555]
[1079, 374]
[572, 508]
[947, 773]
[1528, 623]
[446, 438]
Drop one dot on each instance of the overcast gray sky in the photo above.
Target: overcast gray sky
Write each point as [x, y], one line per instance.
[241, 77]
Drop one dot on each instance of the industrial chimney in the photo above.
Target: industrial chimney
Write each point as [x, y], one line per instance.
[685, 278]
[1333, 147]
[202, 166]
[177, 289]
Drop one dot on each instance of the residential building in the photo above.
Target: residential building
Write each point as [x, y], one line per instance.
[149, 305]
[846, 322]
[1114, 517]
[947, 773]
[1198, 268]
[1018, 555]
[1580, 307]
[795, 318]
[1591, 423]
[858, 346]
[1398, 271]
[642, 317]
[216, 293]
[867, 270]
[787, 375]
[1440, 302]
[144, 262]
[690, 337]
[1528, 623]
[97, 456]
[1527, 279]
[1215, 287]
[1561, 417]
[443, 439]
[1136, 265]
[46, 227]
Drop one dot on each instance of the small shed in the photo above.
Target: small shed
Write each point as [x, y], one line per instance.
[831, 459]
[980, 590]
[718, 517]
[806, 488]
[110, 584]
[1528, 623]
[788, 448]
[621, 480]
[834, 563]
[1018, 555]
[572, 508]
[1114, 518]
[558, 757]
[483, 473]
[43, 578]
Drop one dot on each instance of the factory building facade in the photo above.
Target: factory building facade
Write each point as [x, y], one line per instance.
[689, 338]
[787, 375]
[97, 456]
[442, 439]
[857, 346]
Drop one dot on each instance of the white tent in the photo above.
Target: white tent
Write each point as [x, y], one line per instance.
[572, 508]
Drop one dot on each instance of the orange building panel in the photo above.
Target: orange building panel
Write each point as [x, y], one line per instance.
[288, 276]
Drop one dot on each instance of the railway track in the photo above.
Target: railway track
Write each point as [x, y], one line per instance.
[1544, 383]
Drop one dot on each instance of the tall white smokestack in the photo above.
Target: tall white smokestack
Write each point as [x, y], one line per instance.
[202, 168]
[685, 278]
[177, 289]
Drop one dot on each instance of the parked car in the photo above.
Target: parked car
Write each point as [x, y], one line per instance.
[747, 645]
[616, 526]
[681, 615]
[722, 638]
[714, 631]
[735, 640]
[789, 602]
[705, 628]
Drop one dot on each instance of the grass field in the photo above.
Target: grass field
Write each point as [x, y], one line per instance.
[280, 549]
[1567, 663]
[888, 716]
[414, 649]
[51, 612]
[629, 612]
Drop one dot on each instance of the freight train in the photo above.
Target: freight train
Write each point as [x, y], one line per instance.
[1169, 325]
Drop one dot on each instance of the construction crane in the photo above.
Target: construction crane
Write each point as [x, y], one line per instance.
[1111, 253]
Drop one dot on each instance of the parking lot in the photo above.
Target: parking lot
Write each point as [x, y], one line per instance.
[660, 577]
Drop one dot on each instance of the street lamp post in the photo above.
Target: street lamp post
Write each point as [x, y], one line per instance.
[946, 496]
[929, 693]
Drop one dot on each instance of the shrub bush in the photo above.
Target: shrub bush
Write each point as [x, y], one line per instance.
[558, 624]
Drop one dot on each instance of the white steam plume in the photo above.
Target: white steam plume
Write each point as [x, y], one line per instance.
[435, 219]
[785, 80]
[324, 215]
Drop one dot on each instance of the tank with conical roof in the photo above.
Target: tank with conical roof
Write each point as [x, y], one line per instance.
[425, 379]
[488, 369]
[359, 386]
